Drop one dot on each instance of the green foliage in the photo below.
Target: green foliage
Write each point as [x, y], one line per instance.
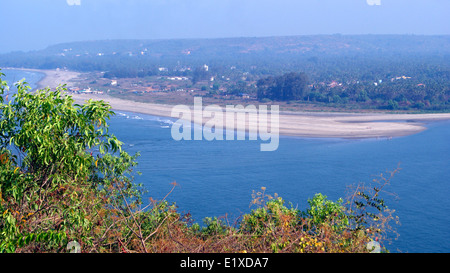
[392, 105]
[270, 215]
[60, 170]
[322, 210]
[290, 86]
[213, 226]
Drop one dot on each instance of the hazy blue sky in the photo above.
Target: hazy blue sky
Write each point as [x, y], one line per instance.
[35, 24]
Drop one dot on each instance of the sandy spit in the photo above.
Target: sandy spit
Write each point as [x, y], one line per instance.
[304, 124]
[301, 124]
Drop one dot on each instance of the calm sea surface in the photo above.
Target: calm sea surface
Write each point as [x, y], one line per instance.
[216, 178]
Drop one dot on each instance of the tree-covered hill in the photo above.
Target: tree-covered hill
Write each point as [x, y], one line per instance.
[352, 71]
[92, 55]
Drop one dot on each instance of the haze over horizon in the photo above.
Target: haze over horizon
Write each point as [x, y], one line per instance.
[33, 25]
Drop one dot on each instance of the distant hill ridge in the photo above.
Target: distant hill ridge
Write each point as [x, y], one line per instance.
[216, 47]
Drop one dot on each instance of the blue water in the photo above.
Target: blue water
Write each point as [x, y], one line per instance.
[216, 178]
[13, 76]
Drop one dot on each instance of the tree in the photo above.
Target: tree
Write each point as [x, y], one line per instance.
[62, 175]
[294, 86]
[199, 74]
[290, 86]
[264, 87]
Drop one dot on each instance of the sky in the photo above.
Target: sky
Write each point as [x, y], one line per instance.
[35, 24]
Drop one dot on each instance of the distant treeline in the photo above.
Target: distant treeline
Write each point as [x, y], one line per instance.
[398, 93]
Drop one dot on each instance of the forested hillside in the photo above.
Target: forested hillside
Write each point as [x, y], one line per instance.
[363, 71]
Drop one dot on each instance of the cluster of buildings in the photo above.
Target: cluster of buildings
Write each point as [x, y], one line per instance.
[84, 91]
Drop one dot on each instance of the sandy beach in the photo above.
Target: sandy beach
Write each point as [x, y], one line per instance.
[305, 124]
[52, 78]
[55, 78]
[302, 124]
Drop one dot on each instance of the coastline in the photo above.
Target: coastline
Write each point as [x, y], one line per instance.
[51, 78]
[299, 124]
[304, 124]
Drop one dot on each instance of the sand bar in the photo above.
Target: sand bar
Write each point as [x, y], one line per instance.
[305, 124]
[302, 124]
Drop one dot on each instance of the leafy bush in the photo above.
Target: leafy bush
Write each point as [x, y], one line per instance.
[58, 181]
[322, 210]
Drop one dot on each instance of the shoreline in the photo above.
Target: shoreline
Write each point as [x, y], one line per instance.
[304, 124]
[298, 124]
[51, 78]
